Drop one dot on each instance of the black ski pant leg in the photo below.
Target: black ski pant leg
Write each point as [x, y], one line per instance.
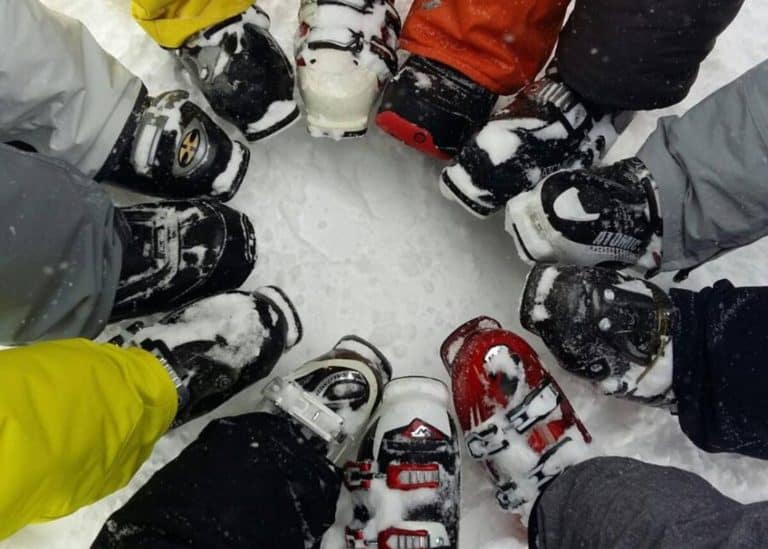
[622, 503]
[250, 481]
[639, 54]
[720, 368]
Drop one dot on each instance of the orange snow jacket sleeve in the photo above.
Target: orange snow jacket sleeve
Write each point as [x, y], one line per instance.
[77, 419]
[171, 22]
[500, 44]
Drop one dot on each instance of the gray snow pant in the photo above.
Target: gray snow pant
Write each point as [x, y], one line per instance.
[60, 250]
[60, 92]
[64, 96]
[621, 503]
[711, 166]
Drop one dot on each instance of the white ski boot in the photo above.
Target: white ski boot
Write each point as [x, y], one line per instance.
[345, 53]
[405, 484]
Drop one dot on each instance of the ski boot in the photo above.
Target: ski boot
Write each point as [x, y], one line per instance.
[215, 347]
[243, 73]
[181, 250]
[545, 128]
[515, 417]
[332, 397]
[171, 148]
[611, 329]
[405, 484]
[346, 50]
[433, 107]
[606, 216]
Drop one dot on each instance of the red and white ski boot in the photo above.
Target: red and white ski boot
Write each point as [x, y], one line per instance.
[515, 417]
[405, 484]
[333, 396]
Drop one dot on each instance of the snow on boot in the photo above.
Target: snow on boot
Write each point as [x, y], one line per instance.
[545, 128]
[606, 216]
[243, 73]
[606, 327]
[515, 417]
[346, 50]
[215, 347]
[334, 396]
[171, 148]
[405, 484]
[179, 251]
[433, 107]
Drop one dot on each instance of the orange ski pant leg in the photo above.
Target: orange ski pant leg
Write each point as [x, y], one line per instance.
[500, 44]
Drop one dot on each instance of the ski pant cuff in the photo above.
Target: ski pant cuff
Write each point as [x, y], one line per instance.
[671, 182]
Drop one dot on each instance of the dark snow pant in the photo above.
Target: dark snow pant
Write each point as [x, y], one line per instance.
[60, 250]
[639, 54]
[720, 374]
[621, 503]
[246, 482]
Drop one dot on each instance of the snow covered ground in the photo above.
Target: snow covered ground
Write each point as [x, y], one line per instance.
[358, 234]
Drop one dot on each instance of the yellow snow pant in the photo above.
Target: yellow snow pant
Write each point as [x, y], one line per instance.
[77, 419]
[171, 22]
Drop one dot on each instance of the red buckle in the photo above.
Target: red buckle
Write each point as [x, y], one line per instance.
[412, 476]
[396, 538]
[358, 475]
[355, 539]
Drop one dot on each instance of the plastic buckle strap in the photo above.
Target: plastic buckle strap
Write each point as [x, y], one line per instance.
[412, 476]
[401, 538]
[358, 475]
[306, 408]
[490, 437]
[506, 495]
[541, 402]
[487, 441]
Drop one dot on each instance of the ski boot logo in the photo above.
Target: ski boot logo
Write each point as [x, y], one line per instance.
[189, 147]
[419, 429]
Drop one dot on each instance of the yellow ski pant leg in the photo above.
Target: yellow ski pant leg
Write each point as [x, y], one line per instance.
[171, 22]
[77, 419]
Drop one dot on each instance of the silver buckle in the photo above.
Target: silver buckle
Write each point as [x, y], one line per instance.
[306, 408]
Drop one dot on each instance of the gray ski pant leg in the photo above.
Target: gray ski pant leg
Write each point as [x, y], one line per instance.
[60, 92]
[711, 166]
[60, 250]
[622, 503]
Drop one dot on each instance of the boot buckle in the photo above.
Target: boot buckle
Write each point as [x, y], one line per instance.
[358, 475]
[306, 408]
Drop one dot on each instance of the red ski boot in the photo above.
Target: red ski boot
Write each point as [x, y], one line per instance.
[514, 415]
[405, 484]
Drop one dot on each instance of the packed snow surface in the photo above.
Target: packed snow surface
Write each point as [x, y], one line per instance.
[359, 237]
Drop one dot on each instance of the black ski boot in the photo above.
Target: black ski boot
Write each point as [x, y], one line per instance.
[406, 481]
[171, 148]
[333, 396]
[217, 346]
[606, 327]
[181, 250]
[433, 107]
[607, 216]
[545, 128]
[243, 73]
